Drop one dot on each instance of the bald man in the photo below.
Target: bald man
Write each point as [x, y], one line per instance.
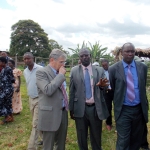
[128, 82]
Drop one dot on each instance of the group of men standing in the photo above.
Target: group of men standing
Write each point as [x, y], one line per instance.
[87, 100]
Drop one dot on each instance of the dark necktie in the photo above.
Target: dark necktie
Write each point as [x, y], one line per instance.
[87, 82]
[130, 85]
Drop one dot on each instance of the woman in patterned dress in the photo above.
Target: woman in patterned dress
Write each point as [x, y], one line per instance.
[16, 100]
[6, 91]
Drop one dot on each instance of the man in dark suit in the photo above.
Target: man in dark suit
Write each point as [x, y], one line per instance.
[108, 94]
[53, 102]
[128, 81]
[87, 104]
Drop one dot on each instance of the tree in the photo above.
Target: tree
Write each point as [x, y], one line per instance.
[54, 44]
[28, 36]
[97, 51]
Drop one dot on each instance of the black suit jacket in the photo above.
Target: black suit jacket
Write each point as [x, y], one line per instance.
[118, 84]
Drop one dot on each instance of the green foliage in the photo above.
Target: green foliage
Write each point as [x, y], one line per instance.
[28, 36]
[97, 52]
[54, 45]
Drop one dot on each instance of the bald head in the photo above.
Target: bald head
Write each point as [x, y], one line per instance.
[29, 54]
[85, 56]
[28, 59]
[128, 52]
[127, 44]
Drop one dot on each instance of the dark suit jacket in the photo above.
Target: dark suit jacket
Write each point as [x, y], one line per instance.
[77, 92]
[118, 84]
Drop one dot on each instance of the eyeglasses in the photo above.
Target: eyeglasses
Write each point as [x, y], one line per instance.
[62, 62]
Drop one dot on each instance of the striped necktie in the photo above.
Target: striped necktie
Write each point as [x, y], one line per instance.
[65, 96]
[130, 85]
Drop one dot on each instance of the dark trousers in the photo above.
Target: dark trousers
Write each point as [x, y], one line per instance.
[108, 95]
[130, 127]
[89, 120]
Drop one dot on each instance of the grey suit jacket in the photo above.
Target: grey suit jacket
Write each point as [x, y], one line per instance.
[118, 84]
[77, 95]
[50, 99]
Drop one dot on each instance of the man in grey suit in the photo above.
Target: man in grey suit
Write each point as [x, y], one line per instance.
[53, 102]
[87, 104]
[128, 81]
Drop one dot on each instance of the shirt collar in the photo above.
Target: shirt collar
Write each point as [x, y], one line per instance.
[88, 67]
[55, 72]
[126, 65]
[35, 66]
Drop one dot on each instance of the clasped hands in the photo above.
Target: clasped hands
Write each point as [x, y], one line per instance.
[103, 82]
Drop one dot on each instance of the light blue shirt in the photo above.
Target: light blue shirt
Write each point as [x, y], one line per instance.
[30, 77]
[137, 100]
[64, 84]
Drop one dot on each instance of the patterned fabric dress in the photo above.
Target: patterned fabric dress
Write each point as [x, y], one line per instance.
[6, 91]
[16, 100]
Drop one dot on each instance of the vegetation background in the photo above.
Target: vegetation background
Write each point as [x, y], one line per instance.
[15, 135]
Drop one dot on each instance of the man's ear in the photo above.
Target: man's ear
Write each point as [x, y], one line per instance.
[51, 59]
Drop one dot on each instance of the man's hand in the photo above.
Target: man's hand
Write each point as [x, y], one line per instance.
[103, 82]
[71, 115]
[62, 70]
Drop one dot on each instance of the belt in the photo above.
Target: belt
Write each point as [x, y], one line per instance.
[63, 108]
[89, 105]
[132, 106]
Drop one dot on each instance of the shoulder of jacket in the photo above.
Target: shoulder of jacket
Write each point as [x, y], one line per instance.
[74, 68]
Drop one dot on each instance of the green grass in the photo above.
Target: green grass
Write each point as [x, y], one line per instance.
[15, 135]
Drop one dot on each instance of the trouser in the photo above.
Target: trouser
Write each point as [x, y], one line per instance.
[144, 143]
[56, 139]
[130, 127]
[91, 120]
[35, 133]
[108, 95]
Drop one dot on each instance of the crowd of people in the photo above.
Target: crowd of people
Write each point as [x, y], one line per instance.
[93, 91]
[10, 98]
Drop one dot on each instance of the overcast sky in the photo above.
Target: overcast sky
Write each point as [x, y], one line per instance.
[70, 22]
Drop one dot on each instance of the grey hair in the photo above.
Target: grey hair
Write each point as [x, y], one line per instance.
[28, 53]
[56, 53]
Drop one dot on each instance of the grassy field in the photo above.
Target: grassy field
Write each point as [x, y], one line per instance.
[15, 135]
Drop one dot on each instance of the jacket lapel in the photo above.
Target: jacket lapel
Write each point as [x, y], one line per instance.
[81, 73]
[120, 69]
[138, 71]
[94, 71]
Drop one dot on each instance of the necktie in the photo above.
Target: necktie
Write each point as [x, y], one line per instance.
[87, 82]
[130, 85]
[65, 96]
